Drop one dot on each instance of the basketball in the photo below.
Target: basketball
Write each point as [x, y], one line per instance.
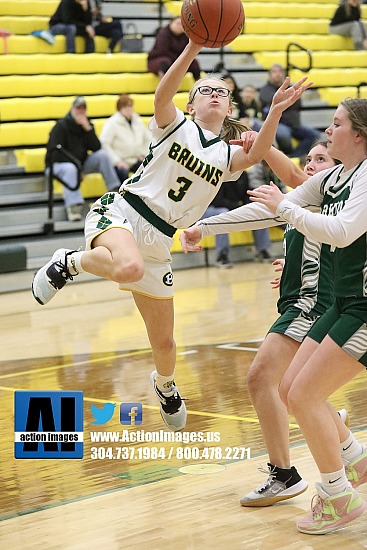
[212, 23]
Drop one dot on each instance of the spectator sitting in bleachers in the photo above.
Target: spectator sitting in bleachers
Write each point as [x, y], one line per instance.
[75, 133]
[290, 123]
[72, 18]
[170, 42]
[125, 138]
[346, 21]
[106, 26]
[238, 109]
[230, 196]
[251, 103]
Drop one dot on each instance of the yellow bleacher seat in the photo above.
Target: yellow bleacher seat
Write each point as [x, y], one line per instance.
[78, 84]
[23, 64]
[258, 42]
[18, 44]
[24, 24]
[46, 107]
[266, 25]
[319, 59]
[284, 8]
[331, 77]
[333, 96]
[24, 7]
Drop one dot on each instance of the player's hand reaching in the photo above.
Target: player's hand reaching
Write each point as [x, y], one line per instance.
[286, 95]
[268, 195]
[279, 266]
[246, 141]
[189, 239]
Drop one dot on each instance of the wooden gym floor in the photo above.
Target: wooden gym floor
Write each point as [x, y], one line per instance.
[91, 338]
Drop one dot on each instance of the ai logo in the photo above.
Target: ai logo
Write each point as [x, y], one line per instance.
[48, 424]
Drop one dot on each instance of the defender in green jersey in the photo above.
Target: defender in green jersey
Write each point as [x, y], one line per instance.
[335, 349]
[306, 292]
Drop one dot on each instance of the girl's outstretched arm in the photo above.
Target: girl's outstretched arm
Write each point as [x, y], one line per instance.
[164, 108]
[283, 98]
[286, 170]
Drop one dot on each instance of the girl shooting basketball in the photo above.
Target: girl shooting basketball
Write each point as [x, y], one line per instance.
[129, 234]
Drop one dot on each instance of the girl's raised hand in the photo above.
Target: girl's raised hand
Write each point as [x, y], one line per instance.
[286, 95]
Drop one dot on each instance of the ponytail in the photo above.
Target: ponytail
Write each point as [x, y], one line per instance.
[232, 129]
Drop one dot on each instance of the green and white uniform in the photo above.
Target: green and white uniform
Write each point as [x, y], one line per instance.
[306, 282]
[172, 188]
[342, 224]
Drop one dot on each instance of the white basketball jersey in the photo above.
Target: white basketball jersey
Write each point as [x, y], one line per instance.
[183, 171]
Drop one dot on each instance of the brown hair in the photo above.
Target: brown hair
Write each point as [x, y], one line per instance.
[357, 112]
[124, 101]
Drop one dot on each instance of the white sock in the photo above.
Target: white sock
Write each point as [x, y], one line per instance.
[74, 262]
[165, 383]
[350, 449]
[335, 482]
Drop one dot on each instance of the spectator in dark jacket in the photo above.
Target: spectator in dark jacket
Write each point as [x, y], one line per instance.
[106, 26]
[346, 21]
[290, 122]
[169, 44]
[75, 133]
[72, 18]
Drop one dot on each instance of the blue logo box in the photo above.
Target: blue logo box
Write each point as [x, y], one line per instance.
[48, 424]
[131, 414]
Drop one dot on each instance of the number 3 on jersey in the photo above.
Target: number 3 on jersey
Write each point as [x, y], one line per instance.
[178, 195]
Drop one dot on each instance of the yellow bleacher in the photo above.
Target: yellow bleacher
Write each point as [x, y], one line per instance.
[37, 88]
[23, 64]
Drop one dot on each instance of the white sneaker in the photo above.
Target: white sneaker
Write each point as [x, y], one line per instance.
[173, 409]
[52, 277]
[75, 212]
[274, 490]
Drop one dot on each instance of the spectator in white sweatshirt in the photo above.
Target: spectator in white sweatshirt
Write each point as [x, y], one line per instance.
[125, 138]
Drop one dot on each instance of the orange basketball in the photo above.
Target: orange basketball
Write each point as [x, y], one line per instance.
[212, 23]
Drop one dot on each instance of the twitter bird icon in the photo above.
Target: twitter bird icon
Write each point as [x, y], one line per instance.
[103, 415]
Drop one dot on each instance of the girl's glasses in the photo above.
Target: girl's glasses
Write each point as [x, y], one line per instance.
[208, 90]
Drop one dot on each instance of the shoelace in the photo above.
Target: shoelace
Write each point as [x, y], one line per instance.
[271, 475]
[317, 506]
[63, 271]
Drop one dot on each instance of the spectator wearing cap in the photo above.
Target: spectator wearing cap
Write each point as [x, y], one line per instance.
[75, 133]
[125, 137]
[74, 18]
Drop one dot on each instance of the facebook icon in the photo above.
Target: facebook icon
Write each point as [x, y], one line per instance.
[131, 414]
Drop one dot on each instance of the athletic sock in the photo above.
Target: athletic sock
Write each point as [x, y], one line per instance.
[335, 482]
[350, 449]
[74, 262]
[165, 383]
[289, 476]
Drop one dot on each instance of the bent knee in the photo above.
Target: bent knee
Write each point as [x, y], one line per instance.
[255, 378]
[261, 375]
[129, 272]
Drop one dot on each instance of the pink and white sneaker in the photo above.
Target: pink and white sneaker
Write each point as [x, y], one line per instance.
[331, 512]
